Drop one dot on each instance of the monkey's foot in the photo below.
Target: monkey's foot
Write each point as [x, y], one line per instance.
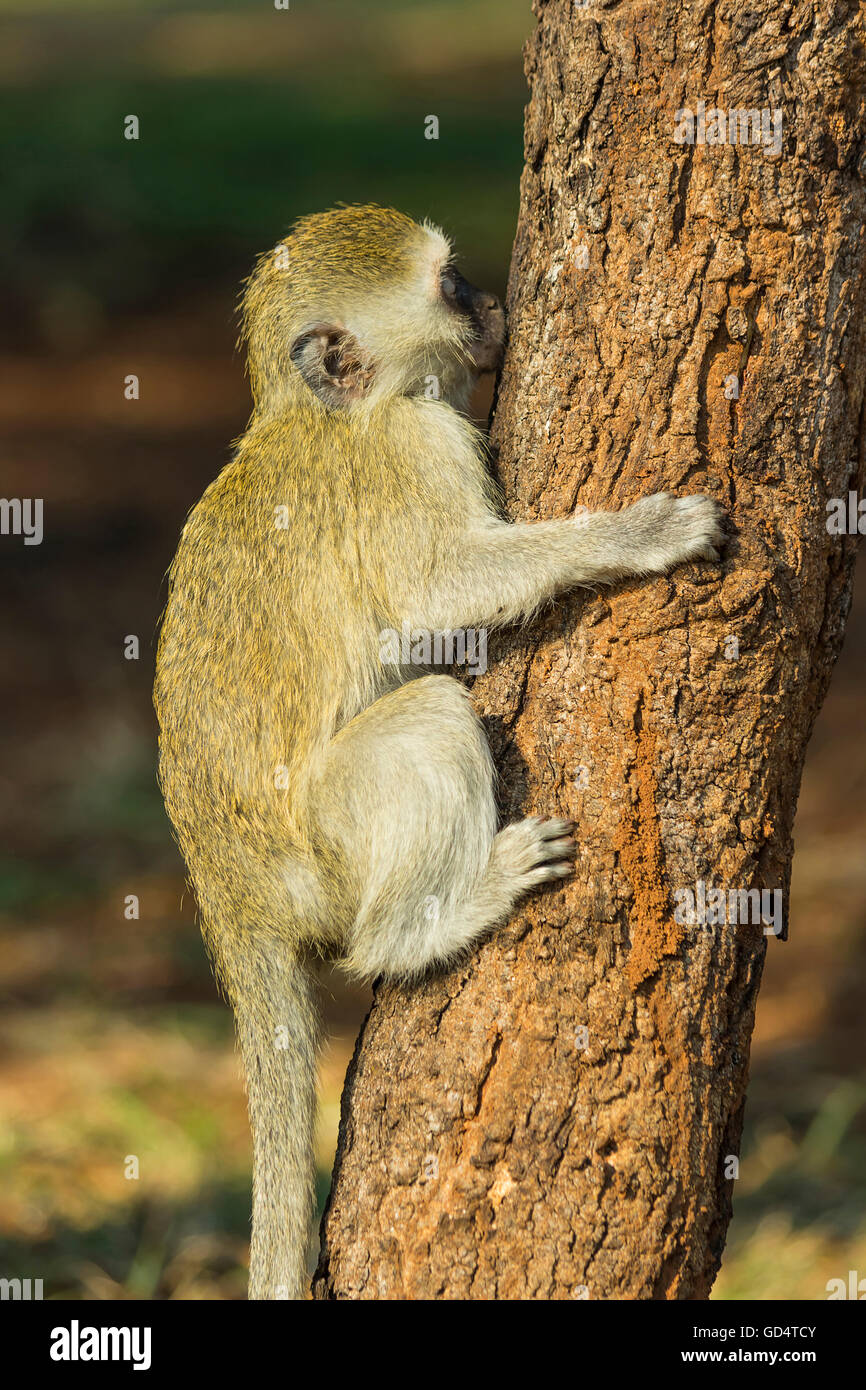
[536, 851]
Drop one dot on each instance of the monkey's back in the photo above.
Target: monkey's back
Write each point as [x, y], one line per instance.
[246, 681]
[287, 571]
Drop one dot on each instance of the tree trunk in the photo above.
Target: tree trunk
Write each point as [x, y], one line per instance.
[558, 1118]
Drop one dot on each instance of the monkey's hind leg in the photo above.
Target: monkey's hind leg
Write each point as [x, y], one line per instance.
[406, 795]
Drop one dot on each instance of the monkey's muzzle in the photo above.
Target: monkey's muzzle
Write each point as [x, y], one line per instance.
[485, 315]
[488, 317]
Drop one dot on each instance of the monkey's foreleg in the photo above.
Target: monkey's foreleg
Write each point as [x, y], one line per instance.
[501, 572]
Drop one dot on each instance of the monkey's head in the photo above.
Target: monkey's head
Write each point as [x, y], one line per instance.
[360, 304]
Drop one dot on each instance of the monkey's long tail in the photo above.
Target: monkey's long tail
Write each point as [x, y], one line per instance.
[279, 1031]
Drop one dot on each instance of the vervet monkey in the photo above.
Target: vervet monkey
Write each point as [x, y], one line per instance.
[329, 802]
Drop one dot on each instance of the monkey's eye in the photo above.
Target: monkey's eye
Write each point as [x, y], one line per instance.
[455, 291]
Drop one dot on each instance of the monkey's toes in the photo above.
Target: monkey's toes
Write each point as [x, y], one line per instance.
[548, 843]
[565, 848]
[548, 873]
[552, 829]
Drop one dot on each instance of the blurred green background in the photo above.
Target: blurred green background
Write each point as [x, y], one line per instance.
[121, 257]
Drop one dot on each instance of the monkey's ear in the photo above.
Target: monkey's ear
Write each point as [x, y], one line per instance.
[332, 364]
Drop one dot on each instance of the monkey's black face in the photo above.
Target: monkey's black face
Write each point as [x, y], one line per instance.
[484, 315]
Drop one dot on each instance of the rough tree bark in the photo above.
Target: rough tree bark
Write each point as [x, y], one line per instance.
[489, 1148]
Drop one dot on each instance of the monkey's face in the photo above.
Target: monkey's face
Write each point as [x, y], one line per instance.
[362, 304]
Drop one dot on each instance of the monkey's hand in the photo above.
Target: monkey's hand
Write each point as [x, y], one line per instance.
[662, 531]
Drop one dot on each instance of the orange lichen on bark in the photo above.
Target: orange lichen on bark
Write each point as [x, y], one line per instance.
[654, 932]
